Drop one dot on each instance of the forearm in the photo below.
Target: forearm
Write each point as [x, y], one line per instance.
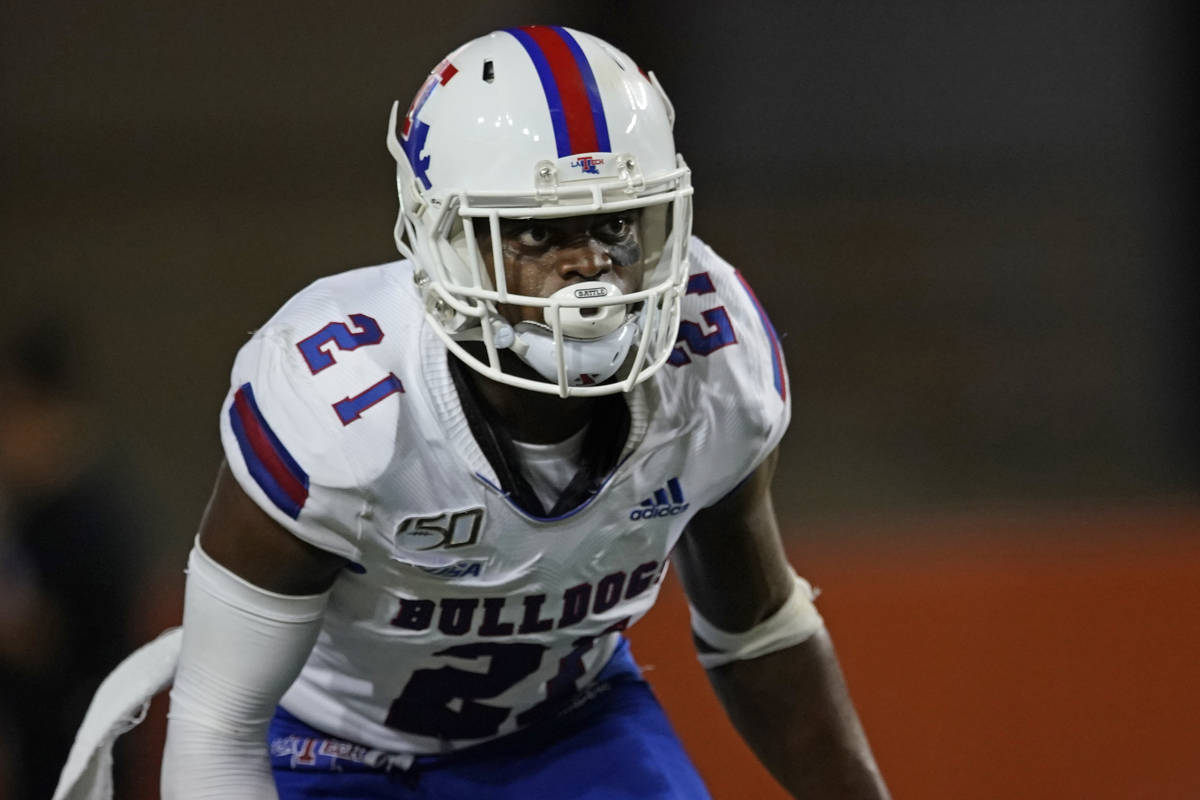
[793, 709]
[242, 648]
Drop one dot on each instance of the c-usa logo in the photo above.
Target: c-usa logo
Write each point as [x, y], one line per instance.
[459, 569]
[588, 164]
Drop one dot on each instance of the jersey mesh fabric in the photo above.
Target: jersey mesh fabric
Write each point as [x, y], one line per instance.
[458, 595]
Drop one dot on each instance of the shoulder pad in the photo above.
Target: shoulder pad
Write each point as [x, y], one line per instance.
[312, 409]
[728, 353]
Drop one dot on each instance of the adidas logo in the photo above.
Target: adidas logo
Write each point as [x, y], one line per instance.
[666, 502]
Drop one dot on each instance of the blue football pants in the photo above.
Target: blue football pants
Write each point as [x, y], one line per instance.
[618, 744]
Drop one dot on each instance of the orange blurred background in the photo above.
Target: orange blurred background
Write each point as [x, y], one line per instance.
[1040, 657]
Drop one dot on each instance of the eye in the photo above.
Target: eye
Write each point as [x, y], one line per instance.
[533, 235]
[616, 226]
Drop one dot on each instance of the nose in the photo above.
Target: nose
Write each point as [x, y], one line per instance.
[585, 258]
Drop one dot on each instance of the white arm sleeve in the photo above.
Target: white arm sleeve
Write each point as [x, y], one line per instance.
[242, 648]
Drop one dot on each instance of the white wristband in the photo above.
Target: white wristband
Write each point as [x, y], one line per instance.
[242, 648]
[796, 620]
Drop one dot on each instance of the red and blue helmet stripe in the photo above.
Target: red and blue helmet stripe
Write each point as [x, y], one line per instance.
[576, 110]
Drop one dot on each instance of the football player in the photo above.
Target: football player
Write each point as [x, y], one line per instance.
[451, 482]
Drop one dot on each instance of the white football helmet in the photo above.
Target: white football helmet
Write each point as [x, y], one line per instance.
[538, 122]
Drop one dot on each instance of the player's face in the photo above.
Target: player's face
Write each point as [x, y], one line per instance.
[542, 256]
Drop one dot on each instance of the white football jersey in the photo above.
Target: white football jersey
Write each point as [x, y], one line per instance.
[462, 615]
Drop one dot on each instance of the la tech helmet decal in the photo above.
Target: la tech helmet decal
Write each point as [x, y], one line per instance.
[414, 132]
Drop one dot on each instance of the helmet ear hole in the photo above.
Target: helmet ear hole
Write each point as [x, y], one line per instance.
[489, 71]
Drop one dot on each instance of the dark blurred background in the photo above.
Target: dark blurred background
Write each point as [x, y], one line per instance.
[973, 223]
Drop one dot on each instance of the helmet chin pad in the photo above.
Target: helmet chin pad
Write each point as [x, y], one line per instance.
[586, 362]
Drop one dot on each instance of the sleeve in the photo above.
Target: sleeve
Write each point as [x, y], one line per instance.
[242, 646]
[770, 395]
[287, 447]
[732, 347]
